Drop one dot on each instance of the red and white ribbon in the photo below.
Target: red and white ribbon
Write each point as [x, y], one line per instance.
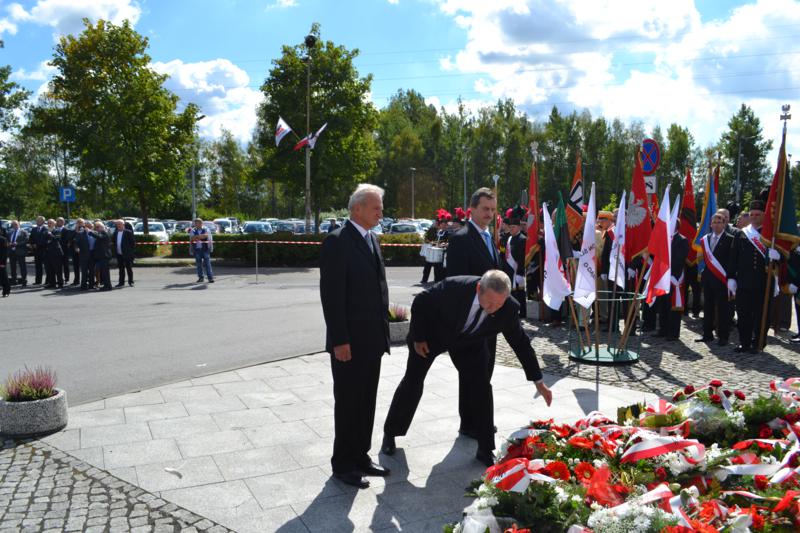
[754, 237]
[660, 445]
[676, 294]
[516, 474]
[593, 419]
[712, 263]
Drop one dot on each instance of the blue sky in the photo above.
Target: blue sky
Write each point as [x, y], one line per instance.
[690, 62]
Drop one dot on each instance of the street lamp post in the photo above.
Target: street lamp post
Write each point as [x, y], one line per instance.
[739, 168]
[310, 42]
[412, 169]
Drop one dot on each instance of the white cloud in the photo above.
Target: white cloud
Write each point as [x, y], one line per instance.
[278, 4]
[66, 16]
[635, 60]
[394, 2]
[222, 91]
[42, 73]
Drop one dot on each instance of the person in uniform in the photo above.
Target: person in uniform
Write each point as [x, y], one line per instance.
[457, 316]
[435, 235]
[37, 241]
[670, 306]
[747, 278]
[53, 256]
[716, 248]
[514, 260]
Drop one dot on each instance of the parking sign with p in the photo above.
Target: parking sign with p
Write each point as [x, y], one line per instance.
[66, 194]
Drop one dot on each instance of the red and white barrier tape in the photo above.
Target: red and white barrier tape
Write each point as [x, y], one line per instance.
[317, 243]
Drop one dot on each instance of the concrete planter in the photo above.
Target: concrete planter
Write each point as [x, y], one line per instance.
[37, 417]
[398, 332]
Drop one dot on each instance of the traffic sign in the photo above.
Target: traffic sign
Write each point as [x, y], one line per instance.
[66, 194]
[651, 156]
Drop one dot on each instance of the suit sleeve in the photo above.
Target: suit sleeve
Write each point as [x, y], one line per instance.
[424, 310]
[333, 288]
[457, 256]
[521, 344]
[731, 269]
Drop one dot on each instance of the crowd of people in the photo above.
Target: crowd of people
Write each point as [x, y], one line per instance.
[726, 284]
[82, 253]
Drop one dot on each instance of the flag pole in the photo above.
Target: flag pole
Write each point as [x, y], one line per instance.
[612, 311]
[633, 309]
[572, 309]
[762, 333]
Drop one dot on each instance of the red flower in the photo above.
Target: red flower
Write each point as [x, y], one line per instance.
[581, 442]
[740, 395]
[758, 520]
[677, 529]
[727, 393]
[688, 389]
[584, 472]
[678, 396]
[765, 432]
[700, 527]
[600, 490]
[715, 398]
[557, 470]
[661, 473]
[715, 383]
[515, 529]
[562, 431]
[761, 482]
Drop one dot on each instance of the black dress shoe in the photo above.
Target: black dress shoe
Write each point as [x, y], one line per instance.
[199, 280]
[122, 284]
[704, 339]
[794, 339]
[660, 334]
[75, 283]
[485, 457]
[352, 478]
[388, 447]
[130, 284]
[753, 350]
[469, 433]
[722, 342]
[741, 349]
[374, 469]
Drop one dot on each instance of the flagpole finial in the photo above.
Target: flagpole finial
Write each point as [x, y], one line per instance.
[534, 150]
[785, 116]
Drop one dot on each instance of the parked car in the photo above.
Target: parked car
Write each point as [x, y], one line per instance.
[212, 227]
[170, 226]
[405, 227]
[284, 226]
[156, 229]
[182, 226]
[228, 225]
[256, 226]
[300, 228]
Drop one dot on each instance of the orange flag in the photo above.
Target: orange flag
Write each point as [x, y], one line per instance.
[575, 202]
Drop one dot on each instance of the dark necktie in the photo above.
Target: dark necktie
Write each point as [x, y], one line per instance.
[474, 322]
[370, 244]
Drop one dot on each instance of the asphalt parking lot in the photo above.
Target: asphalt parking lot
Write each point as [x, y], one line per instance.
[168, 328]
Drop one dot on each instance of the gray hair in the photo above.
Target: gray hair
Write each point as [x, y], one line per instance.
[361, 193]
[496, 281]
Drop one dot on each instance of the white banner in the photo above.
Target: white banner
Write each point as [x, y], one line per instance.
[616, 271]
[586, 280]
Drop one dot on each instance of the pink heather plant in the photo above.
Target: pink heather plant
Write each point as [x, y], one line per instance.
[28, 385]
[398, 313]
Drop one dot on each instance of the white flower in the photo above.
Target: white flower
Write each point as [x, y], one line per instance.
[485, 502]
[561, 495]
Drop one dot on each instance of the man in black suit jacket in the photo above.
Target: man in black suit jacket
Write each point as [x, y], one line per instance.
[355, 303]
[66, 237]
[669, 318]
[123, 243]
[714, 280]
[101, 254]
[17, 253]
[458, 315]
[471, 251]
[38, 241]
[53, 255]
[84, 245]
[4, 252]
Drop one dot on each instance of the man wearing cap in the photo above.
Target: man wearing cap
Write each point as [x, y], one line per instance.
[747, 278]
[514, 264]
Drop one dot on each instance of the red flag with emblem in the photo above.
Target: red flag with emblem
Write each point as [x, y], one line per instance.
[637, 215]
[532, 242]
[575, 202]
[688, 221]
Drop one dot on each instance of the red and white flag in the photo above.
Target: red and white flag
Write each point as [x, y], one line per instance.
[281, 131]
[556, 286]
[586, 279]
[310, 139]
[616, 272]
[660, 248]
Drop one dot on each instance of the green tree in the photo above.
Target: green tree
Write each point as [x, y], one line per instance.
[745, 128]
[114, 113]
[676, 157]
[346, 153]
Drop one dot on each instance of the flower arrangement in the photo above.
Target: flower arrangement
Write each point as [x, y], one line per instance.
[713, 461]
[399, 313]
[28, 385]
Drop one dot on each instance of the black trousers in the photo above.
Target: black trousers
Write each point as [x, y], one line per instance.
[15, 261]
[471, 363]
[65, 266]
[101, 265]
[716, 310]
[467, 397]
[53, 273]
[38, 261]
[649, 315]
[522, 298]
[125, 265]
[87, 272]
[669, 321]
[692, 285]
[76, 267]
[4, 283]
[355, 388]
[438, 271]
[749, 311]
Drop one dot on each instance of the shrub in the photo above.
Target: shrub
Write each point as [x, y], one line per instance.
[28, 385]
[150, 250]
[398, 313]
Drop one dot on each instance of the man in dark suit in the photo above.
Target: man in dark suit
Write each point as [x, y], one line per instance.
[458, 315]
[84, 245]
[747, 278]
[716, 246]
[66, 236]
[471, 252]
[4, 251]
[669, 316]
[123, 244]
[17, 252]
[514, 262]
[101, 254]
[355, 303]
[37, 241]
[53, 254]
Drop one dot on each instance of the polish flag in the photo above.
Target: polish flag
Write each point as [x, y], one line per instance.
[310, 139]
[660, 248]
[281, 131]
[556, 286]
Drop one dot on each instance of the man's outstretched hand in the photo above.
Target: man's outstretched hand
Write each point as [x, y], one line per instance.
[546, 393]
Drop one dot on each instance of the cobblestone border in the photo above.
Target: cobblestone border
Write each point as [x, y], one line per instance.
[43, 489]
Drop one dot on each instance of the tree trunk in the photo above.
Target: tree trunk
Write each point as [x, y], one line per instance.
[143, 207]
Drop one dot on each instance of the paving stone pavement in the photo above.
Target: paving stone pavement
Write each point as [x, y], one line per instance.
[663, 365]
[44, 489]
